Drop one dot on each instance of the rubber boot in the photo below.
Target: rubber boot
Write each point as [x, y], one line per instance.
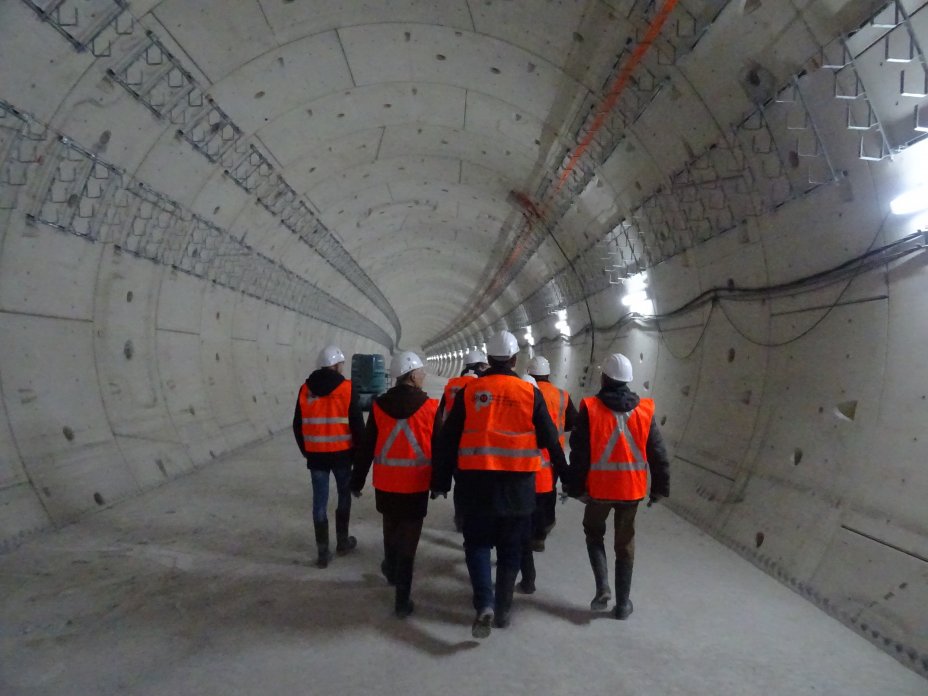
[322, 544]
[599, 564]
[527, 583]
[403, 605]
[343, 542]
[505, 585]
[623, 586]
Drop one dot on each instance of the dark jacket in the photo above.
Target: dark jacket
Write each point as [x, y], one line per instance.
[618, 397]
[323, 382]
[570, 417]
[503, 493]
[402, 401]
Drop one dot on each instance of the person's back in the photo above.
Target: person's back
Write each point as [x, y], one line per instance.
[327, 425]
[398, 442]
[613, 446]
[491, 442]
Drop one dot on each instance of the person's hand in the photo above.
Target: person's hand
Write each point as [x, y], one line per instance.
[356, 494]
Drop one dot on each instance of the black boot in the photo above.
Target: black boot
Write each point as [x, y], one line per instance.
[505, 585]
[343, 542]
[527, 583]
[322, 544]
[623, 586]
[403, 605]
[597, 553]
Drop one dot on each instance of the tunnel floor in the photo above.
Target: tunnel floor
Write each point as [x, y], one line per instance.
[206, 585]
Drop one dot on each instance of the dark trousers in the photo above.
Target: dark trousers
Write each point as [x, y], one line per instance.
[543, 520]
[594, 526]
[320, 479]
[482, 532]
[400, 541]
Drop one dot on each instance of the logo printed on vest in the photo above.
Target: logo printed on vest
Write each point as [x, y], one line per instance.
[482, 399]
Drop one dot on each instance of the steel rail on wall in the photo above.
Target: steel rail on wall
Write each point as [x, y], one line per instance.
[138, 61]
[79, 193]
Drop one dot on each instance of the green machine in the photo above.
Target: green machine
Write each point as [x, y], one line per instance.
[368, 377]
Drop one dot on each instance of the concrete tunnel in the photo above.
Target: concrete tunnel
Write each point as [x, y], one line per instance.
[197, 195]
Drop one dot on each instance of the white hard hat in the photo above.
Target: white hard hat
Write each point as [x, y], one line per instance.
[618, 367]
[502, 345]
[530, 380]
[475, 356]
[539, 366]
[330, 355]
[404, 362]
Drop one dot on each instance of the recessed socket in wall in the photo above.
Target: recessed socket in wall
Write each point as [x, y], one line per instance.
[797, 456]
[128, 350]
[161, 468]
[647, 384]
[663, 420]
[759, 539]
[731, 355]
[846, 410]
[129, 296]
[641, 357]
[68, 433]
[98, 499]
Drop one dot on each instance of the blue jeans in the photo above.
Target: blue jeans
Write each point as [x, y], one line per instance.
[320, 480]
[481, 533]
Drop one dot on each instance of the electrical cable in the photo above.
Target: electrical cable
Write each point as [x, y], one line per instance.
[848, 270]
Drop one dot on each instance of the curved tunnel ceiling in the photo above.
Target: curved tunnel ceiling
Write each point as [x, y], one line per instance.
[197, 195]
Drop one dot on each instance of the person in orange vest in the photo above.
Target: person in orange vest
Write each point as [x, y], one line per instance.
[614, 444]
[328, 425]
[491, 444]
[475, 364]
[398, 441]
[564, 414]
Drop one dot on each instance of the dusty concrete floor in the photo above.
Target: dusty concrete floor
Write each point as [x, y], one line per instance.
[206, 586]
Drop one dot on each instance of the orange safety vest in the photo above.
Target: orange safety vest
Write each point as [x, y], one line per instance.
[454, 385]
[618, 441]
[403, 452]
[499, 434]
[325, 419]
[556, 401]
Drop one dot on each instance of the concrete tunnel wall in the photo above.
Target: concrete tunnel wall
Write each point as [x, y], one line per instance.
[802, 451]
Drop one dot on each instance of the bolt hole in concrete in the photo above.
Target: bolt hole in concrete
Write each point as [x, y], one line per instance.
[731, 355]
[495, 71]
[759, 539]
[439, 56]
[161, 468]
[685, 390]
[846, 410]
[647, 384]
[68, 433]
[129, 296]
[663, 420]
[128, 350]
[797, 456]
[98, 499]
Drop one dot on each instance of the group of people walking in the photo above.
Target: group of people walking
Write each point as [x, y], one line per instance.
[500, 439]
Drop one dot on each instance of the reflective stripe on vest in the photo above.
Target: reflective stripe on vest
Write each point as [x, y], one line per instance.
[403, 451]
[618, 467]
[556, 401]
[499, 434]
[453, 386]
[325, 419]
